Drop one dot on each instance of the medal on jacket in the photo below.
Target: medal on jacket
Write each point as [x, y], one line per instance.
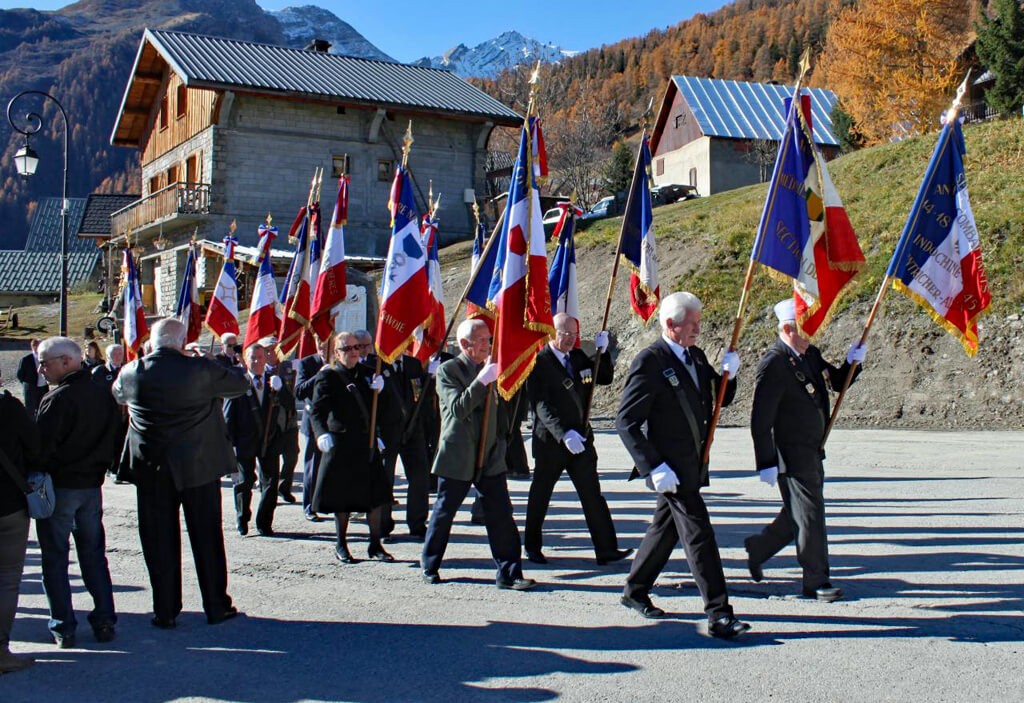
[417, 388]
[670, 374]
[808, 385]
[567, 383]
[587, 376]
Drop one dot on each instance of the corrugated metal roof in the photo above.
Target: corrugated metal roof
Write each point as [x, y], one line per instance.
[98, 208]
[44, 234]
[741, 110]
[39, 271]
[215, 62]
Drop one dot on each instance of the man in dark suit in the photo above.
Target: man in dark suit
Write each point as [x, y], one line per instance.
[408, 439]
[787, 421]
[309, 367]
[33, 383]
[463, 385]
[290, 434]
[559, 388]
[671, 389]
[256, 426]
[105, 374]
[176, 452]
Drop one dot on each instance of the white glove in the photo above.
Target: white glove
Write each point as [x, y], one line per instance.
[377, 383]
[601, 341]
[858, 350]
[325, 443]
[769, 475]
[662, 479]
[731, 363]
[433, 366]
[380, 444]
[275, 383]
[488, 374]
[574, 442]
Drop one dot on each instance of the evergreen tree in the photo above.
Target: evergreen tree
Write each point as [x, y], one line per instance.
[845, 128]
[618, 172]
[1000, 47]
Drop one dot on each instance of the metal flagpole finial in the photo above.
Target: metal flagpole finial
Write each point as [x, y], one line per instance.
[955, 107]
[534, 87]
[476, 212]
[645, 119]
[435, 206]
[430, 196]
[407, 144]
[805, 65]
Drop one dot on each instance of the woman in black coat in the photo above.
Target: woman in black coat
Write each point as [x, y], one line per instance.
[351, 477]
[19, 441]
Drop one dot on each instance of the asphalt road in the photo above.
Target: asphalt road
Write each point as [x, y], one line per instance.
[926, 538]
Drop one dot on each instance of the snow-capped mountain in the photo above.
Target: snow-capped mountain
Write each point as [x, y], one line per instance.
[303, 24]
[491, 57]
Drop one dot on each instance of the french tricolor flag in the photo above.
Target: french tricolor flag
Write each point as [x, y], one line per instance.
[405, 294]
[432, 334]
[188, 310]
[330, 280]
[562, 276]
[222, 312]
[135, 330]
[263, 318]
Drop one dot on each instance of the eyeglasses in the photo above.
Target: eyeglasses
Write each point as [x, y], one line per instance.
[565, 333]
[350, 347]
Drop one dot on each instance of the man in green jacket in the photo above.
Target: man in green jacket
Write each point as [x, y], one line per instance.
[463, 384]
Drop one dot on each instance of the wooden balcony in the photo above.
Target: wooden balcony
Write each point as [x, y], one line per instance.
[181, 203]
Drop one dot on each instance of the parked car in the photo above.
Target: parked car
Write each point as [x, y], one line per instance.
[672, 193]
[605, 207]
[550, 220]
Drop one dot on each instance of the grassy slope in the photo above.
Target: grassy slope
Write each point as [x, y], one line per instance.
[878, 187]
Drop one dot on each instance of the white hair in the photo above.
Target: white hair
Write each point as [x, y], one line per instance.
[60, 346]
[465, 329]
[675, 306]
[168, 334]
[111, 348]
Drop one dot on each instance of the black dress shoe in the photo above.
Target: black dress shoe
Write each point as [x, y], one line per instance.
[727, 627]
[537, 557]
[312, 517]
[228, 614]
[519, 584]
[265, 531]
[287, 497]
[344, 556]
[63, 641]
[752, 566]
[431, 577]
[163, 623]
[388, 539]
[617, 555]
[477, 519]
[243, 528]
[104, 633]
[644, 606]
[379, 554]
[418, 535]
[826, 593]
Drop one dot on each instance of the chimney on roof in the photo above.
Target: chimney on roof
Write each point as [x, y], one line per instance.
[318, 45]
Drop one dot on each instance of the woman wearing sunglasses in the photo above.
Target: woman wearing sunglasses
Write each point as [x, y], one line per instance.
[351, 477]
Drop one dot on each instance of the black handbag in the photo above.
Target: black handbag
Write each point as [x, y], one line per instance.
[37, 487]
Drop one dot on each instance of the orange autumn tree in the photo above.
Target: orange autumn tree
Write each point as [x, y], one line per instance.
[894, 63]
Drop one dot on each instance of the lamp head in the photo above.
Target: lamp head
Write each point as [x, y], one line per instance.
[26, 161]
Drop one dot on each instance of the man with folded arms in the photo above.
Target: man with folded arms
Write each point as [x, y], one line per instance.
[787, 421]
[671, 391]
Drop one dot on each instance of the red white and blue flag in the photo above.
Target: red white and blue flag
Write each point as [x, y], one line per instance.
[562, 277]
[431, 337]
[263, 318]
[539, 153]
[476, 297]
[804, 233]
[296, 294]
[188, 310]
[135, 331]
[519, 286]
[405, 293]
[222, 312]
[937, 262]
[638, 245]
[307, 344]
[330, 281]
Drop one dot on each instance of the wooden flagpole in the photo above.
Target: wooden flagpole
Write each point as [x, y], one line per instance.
[805, 66]
[406, 146]
[645, 120]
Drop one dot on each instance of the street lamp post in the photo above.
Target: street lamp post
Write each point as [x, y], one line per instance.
[26, 160]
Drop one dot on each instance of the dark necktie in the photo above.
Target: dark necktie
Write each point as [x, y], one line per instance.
[568, 367]
[258, 382]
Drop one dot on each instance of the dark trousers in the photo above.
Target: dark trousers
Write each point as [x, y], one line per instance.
[502, 533]
[417, 473]
[515, 454]
[289, 460]
[13, 542]
[550, 460]
[681, 514]
[802, 517]
[78, 512]
[310, 467]
[160, 533]
[266, 469]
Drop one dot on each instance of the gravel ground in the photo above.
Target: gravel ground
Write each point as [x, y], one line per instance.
[926, 539]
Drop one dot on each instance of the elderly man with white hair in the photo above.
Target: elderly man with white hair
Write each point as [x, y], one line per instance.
[106, 372]
[177, 451]
[787, 421]
[78, 423]
[663, 421]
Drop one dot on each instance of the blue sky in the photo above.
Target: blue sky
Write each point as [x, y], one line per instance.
[408, 29]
